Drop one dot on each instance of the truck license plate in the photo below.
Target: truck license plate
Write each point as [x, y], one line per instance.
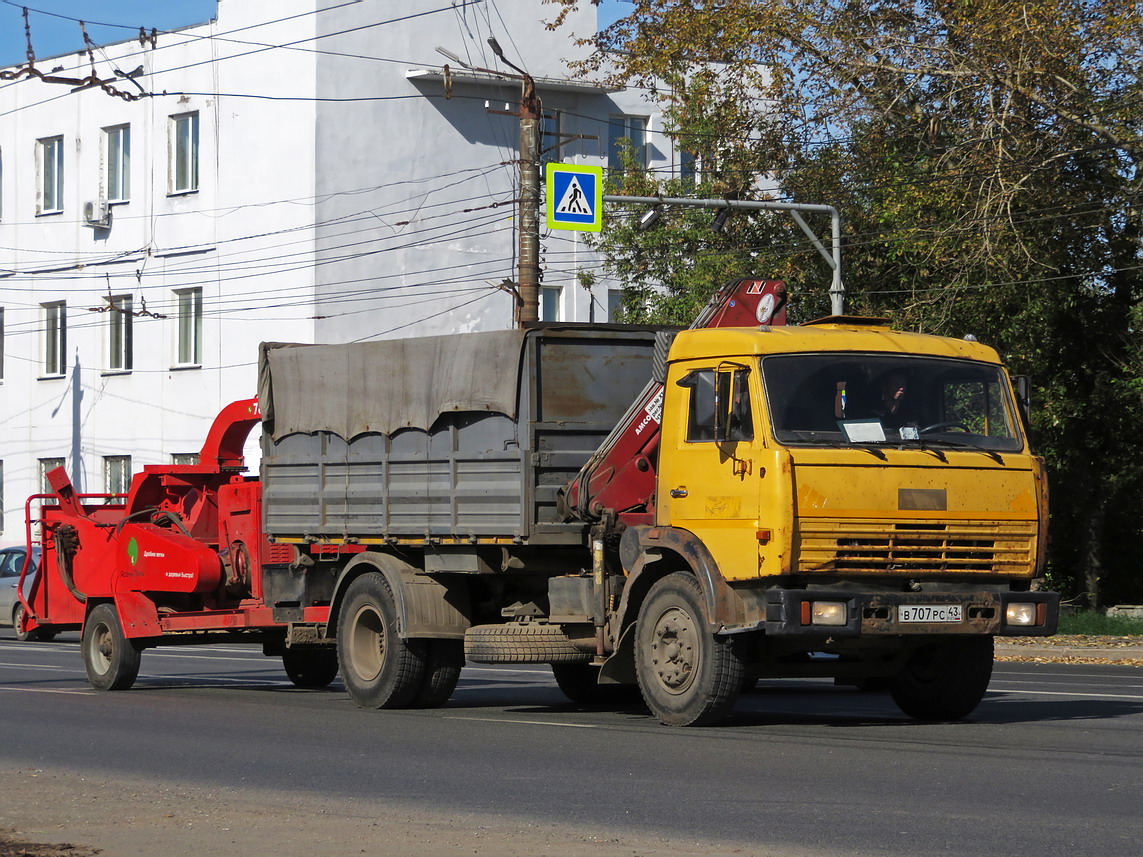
[929, 613]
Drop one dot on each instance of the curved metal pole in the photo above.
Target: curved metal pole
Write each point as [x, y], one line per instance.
[832, 256]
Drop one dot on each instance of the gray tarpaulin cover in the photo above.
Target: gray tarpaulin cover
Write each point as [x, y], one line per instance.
[389, 385]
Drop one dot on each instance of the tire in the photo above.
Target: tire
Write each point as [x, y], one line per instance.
[687, 675]
[17, 620]
[443, 662]
[944, 680]
[522, 644]
[111, 660]
[379, 669]
[580, 684]
[310, 667]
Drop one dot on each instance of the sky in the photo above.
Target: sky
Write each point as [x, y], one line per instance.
[52, 36]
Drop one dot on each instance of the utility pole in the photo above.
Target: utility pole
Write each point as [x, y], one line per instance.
[527, 286]
[528, 259]
[528, 228]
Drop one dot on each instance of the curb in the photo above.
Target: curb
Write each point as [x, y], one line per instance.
[1129, 655]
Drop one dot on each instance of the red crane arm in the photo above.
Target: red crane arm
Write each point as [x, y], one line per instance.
[620, 476]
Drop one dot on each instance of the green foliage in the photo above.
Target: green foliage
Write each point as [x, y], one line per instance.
[986, 158]
[1096, 623]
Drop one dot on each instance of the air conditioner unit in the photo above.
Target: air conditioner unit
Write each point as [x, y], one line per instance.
[97, 213]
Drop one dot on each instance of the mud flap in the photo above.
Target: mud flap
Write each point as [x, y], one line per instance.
[620, 667]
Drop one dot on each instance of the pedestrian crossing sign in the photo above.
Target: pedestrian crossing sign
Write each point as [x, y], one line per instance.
[575, 197]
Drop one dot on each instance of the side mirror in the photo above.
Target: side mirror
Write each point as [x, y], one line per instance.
[1023, 385]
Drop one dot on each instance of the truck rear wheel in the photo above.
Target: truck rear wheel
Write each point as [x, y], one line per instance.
[310, 667]
[443, 662]
[380, 670]
[687, 675]
[112, 661]
[944, 680]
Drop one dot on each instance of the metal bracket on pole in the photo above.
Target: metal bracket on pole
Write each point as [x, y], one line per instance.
[831, 256]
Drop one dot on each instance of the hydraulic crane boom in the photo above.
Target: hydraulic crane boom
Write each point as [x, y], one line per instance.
[618, 482]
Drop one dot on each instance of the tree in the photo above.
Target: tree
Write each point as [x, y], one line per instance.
[986, 159]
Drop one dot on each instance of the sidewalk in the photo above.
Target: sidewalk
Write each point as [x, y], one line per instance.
[1127, 651]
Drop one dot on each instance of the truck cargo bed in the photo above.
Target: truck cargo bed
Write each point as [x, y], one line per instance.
[483, 464]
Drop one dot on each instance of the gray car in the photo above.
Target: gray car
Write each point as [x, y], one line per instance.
[11, 563]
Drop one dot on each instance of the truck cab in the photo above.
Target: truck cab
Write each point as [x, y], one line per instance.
[851, 499]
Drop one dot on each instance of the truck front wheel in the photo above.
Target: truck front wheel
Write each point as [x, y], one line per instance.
[112, 661]
[687, 675]
[944, 680]
[380, 670]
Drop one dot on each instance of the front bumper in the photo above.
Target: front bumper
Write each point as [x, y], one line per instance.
[875, 614]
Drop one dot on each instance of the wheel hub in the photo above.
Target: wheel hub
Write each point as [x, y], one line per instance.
[367, 644]
[674, 647]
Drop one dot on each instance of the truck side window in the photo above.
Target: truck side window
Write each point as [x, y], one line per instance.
[700, 412]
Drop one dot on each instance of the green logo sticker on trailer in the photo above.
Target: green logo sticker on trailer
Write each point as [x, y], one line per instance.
[133, 551]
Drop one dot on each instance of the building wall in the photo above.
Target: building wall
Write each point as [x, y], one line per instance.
[330, 207]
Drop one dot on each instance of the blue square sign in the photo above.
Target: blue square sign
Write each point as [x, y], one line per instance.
[575, 197]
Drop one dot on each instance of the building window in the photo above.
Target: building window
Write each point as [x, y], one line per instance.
[550, 139]
[614, 304]
[116, 474]
[184, 153]
[550, 303]
[184, 458]
[50, 161]
[1, 496]
[688, 168]
[46, 466]
[190, 326]
[627, 138]
[55, 338]
[117, 163]
[120, 338]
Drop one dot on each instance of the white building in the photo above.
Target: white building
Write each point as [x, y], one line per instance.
[287, 174]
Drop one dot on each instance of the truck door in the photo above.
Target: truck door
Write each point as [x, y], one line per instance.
[708, 472]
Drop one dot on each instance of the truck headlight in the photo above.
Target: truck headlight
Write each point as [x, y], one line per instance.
[1019, 613]
[827, 613]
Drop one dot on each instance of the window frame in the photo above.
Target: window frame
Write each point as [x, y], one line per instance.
[54, 339]
[117, 163]
[184, 153]
[120, 334]
[620, 127]
[117, 474]
[50, 185]
[189, 319]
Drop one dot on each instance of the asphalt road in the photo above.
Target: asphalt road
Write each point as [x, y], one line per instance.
[1051, 763]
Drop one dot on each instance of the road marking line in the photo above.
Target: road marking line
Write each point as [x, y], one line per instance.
[1082, 683]
[1065, 693]
[37, 667]
[527, 722]
[45, 690]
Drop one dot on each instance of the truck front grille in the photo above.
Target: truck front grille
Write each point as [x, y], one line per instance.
[932, 547]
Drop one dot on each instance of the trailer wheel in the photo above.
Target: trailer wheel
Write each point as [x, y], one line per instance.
[687, 675]
[380, 670]
[580, 684]
[944, 680]
[310, 667]
[443, 662]
[112, 661]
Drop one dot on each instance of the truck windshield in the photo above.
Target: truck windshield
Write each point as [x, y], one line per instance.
[894, 399]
